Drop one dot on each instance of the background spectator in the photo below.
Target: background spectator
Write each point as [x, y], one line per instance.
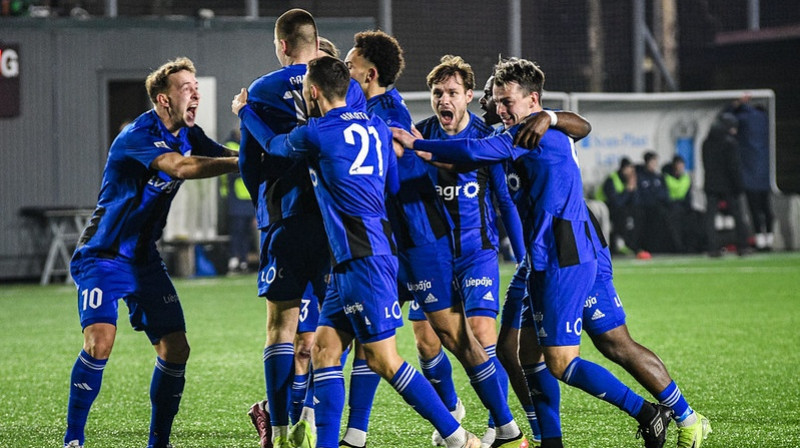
[658, 232]
[723, 180]
[753, 138]
[685, 221]
[620, 193]
[240, 214]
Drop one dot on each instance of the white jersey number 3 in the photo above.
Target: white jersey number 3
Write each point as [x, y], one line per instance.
[364, 134]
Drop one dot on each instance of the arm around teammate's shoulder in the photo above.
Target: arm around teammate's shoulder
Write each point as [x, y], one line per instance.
[194, 167]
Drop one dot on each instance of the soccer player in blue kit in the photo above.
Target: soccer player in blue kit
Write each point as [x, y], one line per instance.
[603, 317]
[116, 256]
[294, 250]
[352, 164]
[469, 198]
[561, 252]
[422, 228]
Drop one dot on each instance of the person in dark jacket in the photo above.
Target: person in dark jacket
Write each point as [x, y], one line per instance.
[620, 193]
[723, 180]
[659, 233]
[753, 137]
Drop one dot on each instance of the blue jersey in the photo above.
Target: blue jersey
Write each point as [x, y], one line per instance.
[280, 187]
[552, 207]
[134, 198]
[351, 163]
[470, 197]
[416, 211]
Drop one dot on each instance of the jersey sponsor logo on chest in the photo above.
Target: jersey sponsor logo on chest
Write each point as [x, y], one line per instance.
[166, 186]
[450, 192]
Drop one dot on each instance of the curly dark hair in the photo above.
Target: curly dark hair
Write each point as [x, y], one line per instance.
[384, 51]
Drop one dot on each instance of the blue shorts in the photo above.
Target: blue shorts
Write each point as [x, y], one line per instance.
[427, 273]
[478, 276]
[362, 298]
[294, 252]
[602, 310]
[309, 308]
[516, 298]
[558, 296]
[152, 301]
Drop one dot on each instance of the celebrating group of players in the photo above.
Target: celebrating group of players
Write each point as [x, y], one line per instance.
[360, 211]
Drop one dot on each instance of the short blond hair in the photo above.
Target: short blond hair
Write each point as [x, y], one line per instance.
[158, 80]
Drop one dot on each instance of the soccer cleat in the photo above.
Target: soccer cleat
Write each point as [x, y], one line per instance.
[302, 435]
[259, 415]
[692, 436]
[458, 414]
[350, 445]
[534, 443]
[515, 442]
[282, 442]
[654, 431]
[73, 444]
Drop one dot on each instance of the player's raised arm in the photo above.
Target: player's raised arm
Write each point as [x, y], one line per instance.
[194, 167]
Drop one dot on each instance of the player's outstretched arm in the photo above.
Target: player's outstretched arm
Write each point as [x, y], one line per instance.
[194, 167]
[533, 127]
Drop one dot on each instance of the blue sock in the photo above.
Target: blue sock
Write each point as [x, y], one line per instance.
[439, 372]
[601, 383]
[419, 393]
[278, 372]
[329, 392]
[299, 387]
[363, 384]
[343, 359]
[166, 388]
[502, 376]
[309, 398]
[671, 396]
[530, 414]
[546, 396]
[85, 381]
[485, 381]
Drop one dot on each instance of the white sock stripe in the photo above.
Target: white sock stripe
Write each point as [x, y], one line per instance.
[91, 365]
[332, 375]
[362, 370]
[300, 384]
[673, 398]
[406, 375]
[487, 372]
[491, 351]
[433, 362]
[278, 349]
[570, 370]
[531, 415]
[177, 373]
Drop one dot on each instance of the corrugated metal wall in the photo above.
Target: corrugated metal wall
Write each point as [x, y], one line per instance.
[54, 152]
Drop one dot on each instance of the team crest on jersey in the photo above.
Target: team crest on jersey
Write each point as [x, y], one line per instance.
[313, 174]
[513, 181]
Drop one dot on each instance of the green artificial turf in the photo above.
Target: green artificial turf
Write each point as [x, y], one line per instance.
[727, 329]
